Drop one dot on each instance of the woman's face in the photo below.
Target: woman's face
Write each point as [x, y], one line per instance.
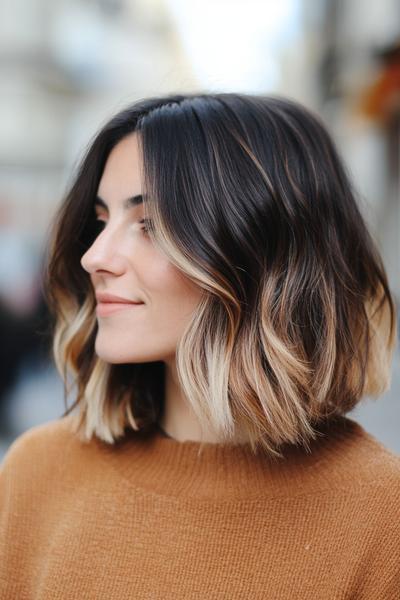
[124, 262]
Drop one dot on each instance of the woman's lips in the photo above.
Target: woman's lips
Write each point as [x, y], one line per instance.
[103, 309]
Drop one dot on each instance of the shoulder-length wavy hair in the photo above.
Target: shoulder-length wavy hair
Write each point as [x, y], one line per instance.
[251, 201]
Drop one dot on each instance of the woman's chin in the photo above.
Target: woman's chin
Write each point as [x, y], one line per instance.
[109, 354]
[117, 356]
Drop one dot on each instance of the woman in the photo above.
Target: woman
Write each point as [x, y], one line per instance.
[220, 307]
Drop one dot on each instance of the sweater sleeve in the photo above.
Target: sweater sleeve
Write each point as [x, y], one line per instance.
[380, 579]
[27, 476]
[11, 519]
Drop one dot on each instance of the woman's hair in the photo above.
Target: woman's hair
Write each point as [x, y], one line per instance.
[250, 201]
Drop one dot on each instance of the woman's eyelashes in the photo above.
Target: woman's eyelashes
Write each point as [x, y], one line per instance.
[147, 225]
[100, 223]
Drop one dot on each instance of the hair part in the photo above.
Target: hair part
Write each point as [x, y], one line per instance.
[251, 201]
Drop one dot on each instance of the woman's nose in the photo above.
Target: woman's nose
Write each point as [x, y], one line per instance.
[103, 255]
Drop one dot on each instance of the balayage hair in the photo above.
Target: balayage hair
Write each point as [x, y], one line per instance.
[251, 201]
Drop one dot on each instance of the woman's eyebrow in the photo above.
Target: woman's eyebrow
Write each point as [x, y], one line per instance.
[127, 204]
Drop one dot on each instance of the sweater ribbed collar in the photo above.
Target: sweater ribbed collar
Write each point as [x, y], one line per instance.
[217, 472]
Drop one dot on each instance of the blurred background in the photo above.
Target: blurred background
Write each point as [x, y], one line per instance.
[66, 66]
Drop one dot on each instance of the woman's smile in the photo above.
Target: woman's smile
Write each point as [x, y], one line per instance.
[103, 309]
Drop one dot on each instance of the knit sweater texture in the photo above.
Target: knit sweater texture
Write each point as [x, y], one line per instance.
[155, 518]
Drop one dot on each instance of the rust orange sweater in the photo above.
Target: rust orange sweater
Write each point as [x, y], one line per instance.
[151, 518]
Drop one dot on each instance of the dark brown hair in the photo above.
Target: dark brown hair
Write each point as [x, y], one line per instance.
[253, 203]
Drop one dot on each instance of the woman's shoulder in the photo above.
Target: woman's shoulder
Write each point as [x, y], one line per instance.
[45, 467]
[41, 454]
[378, 459]
[44, 438]
[360, 465]
[361, 454]
[346, 460]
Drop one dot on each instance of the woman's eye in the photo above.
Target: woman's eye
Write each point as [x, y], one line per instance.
[99, 224]
[147, 225]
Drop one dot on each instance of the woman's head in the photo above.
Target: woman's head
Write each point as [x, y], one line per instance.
[257, 273]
